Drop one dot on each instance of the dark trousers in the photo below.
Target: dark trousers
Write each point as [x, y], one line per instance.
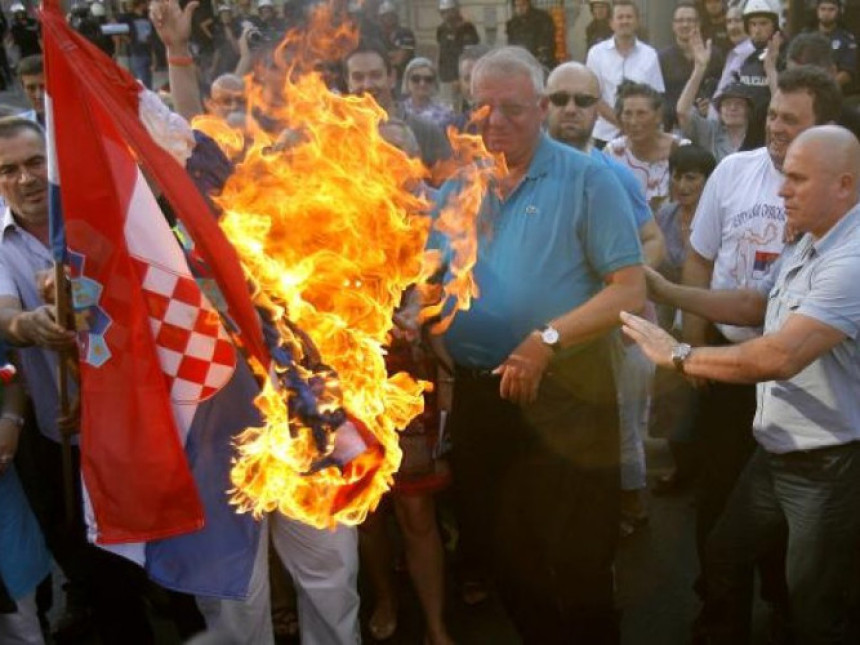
[724, 427]
[809, 501]
[538, 493]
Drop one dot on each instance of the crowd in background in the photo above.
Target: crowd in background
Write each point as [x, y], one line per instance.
[674, 170]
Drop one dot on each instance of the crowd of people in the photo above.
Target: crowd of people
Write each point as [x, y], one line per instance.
[670, 250]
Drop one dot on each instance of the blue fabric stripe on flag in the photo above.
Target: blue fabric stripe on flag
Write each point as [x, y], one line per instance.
[218, 560]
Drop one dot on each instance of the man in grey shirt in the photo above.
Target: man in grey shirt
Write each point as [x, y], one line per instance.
[803, 483]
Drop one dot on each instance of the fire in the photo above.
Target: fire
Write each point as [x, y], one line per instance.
[331, 231]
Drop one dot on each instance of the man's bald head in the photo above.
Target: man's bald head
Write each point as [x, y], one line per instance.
[822, 176]
[570, 73]
[574, 92]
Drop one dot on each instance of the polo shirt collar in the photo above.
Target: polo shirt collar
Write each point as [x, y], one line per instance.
[835, 235]
[542, 159]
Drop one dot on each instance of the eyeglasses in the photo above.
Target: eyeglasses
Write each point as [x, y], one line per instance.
[230, 100]
[510, 111]
[561, 99]
[422, 78]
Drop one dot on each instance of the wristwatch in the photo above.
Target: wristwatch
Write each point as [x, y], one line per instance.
[680, 353]
[550, 337]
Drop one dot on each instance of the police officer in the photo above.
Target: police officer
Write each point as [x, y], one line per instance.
[761, 22]
[828, 15]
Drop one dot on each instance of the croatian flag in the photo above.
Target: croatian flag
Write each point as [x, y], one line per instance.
[163, 390]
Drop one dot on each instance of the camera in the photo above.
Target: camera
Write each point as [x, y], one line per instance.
[255, 38]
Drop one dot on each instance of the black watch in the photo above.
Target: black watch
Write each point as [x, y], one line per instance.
[680, 353]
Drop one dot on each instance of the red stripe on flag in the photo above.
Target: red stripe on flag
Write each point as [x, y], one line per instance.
[115, 90]
[133, 463]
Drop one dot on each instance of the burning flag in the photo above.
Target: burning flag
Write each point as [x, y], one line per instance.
[332, 229]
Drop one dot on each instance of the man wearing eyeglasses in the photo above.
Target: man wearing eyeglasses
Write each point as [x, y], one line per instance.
[676, 60]
[227, 98]
[535, 422]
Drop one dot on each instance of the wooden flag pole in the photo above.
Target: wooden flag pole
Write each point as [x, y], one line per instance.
[63, 305]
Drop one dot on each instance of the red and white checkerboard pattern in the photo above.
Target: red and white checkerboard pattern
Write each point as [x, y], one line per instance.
[196, 355]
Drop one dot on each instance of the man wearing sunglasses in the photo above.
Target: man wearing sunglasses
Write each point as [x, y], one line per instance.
[535, 424]
[573, 91]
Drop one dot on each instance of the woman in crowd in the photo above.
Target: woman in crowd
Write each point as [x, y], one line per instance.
[643, 145]
[721, 136]
[422, 473]
[674, 400]
[421, 88]
[24, 558]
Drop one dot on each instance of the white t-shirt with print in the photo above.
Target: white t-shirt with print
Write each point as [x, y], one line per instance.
[739, 226]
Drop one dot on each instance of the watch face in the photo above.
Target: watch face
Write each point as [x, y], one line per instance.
[550, 336]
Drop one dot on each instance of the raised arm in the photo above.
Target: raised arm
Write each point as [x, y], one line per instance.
[173, 25]
[701, 60]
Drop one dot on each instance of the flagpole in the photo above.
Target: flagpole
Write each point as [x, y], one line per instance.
[61, 301]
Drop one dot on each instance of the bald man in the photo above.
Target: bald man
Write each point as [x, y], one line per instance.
[803, 482]
[573, 92]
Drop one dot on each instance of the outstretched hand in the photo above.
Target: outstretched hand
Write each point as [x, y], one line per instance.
[656, 343]
[172, 22]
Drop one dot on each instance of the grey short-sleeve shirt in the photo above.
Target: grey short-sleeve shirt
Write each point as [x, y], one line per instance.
[21, 257]
[820, 406]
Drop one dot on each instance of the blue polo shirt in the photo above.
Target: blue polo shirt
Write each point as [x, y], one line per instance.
[641, 210]
[546, 250]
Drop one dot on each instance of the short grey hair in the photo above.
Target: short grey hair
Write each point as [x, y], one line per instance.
[12, 126]
[506, 61]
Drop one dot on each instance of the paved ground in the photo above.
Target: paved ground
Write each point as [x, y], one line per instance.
[655, 573]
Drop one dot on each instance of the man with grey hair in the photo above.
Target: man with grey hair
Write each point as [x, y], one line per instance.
[535, 426]
[227, 99]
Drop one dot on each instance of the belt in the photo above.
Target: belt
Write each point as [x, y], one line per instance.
[473, 372]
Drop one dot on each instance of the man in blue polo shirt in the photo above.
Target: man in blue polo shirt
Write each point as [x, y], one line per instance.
[801, 488]
[534, 421]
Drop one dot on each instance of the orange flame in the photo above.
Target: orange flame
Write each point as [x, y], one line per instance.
[331, 232]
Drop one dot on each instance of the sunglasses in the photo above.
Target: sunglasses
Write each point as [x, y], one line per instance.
[561, 99]
[421, 78]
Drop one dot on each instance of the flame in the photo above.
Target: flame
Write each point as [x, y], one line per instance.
[331, 231]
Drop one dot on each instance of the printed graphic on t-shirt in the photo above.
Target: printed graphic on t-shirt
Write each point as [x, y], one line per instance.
[762, 264]
[751, 261]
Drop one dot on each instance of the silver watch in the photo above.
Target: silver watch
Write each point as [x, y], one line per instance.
[550, 337]
[680, 353]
